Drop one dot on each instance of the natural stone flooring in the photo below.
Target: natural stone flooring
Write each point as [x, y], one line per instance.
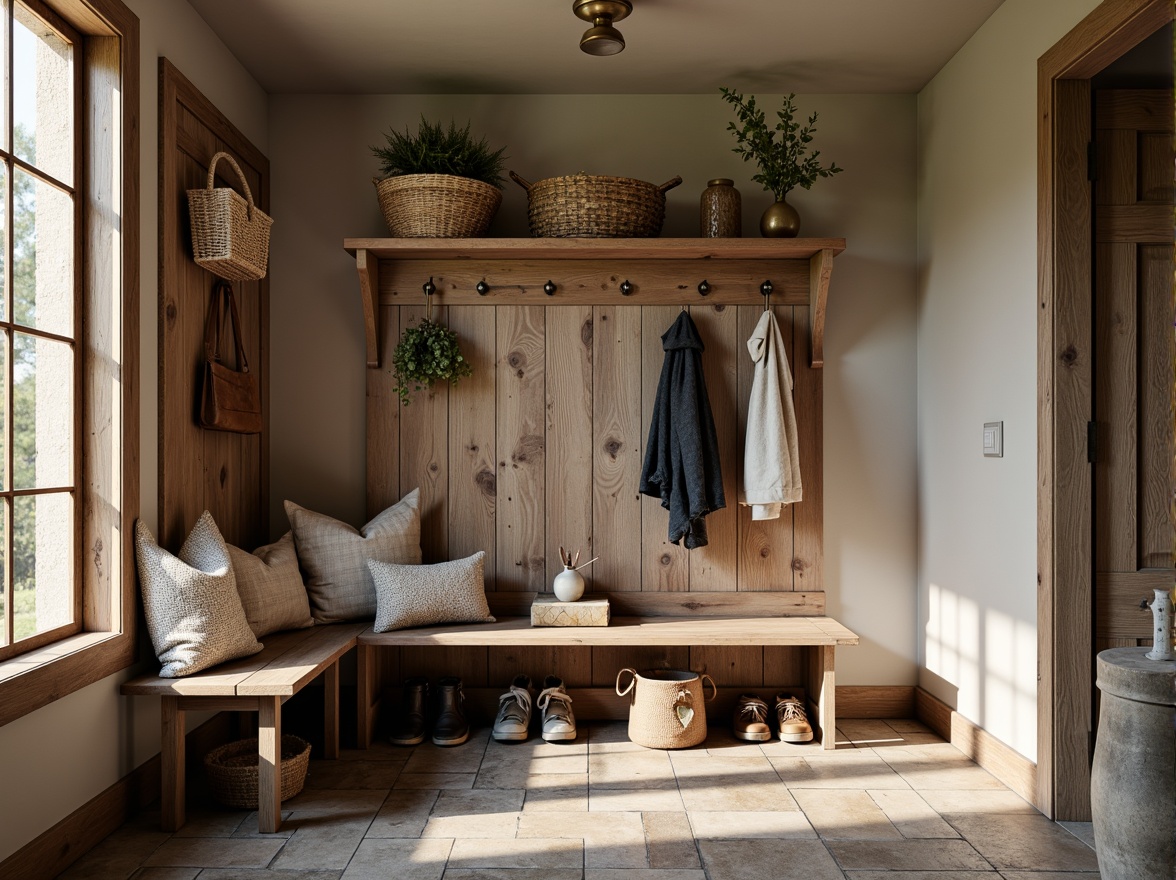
[893, 801]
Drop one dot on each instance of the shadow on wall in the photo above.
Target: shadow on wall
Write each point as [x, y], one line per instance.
[978, 652]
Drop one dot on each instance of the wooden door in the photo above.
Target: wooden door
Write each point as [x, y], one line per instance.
[1133, 363]
[226, 474]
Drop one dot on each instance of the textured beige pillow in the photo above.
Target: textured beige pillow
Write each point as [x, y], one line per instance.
[334, 556]
[271, 588]
[422, 595]
[194, 615]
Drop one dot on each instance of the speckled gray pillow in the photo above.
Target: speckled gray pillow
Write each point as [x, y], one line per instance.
[335, 556]
[422, 595]
[270, 586]
[194, 615]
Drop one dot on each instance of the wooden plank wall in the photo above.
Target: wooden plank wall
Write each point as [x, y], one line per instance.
[543, 447]
[226, 474]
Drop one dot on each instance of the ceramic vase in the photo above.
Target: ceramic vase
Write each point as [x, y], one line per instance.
[1161, 608]
[780, 221]
[720, 213]
[568, 585]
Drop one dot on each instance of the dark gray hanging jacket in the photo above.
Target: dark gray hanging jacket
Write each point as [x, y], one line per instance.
[682, 454]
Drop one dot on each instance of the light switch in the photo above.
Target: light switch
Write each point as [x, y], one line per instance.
[994, 439]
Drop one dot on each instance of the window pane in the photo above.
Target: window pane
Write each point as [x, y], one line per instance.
[3, 416]
[42, 96]
[3, 240]
[42, 255]
[3, 574]
[4, 65]
[42, 424]
[42, 563]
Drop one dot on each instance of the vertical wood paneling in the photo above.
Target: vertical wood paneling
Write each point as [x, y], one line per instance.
[1156, 356]
[783, 666]
[665, 567]
[607, 662]
[424, 451]
[521, 470]
[472, 450]
[728, 665]
[765, 546]
[572, 664]
[714, 567]
[617, 443]
[383, 424]
[466, 662]
[569, 434]
[808, 515]
[1115, 404]
[1155, 166]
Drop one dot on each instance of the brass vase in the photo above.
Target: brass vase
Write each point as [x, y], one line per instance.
[780, 221]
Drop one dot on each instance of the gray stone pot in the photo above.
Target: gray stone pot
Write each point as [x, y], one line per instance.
[1133, 780]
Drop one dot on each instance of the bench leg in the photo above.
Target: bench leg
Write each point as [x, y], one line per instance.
[366, 680]
[331, 711]
[822, 691]
[171, 755]
[269, 764]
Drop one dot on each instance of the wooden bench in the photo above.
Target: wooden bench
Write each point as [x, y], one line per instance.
[709, 619]
[261, 683]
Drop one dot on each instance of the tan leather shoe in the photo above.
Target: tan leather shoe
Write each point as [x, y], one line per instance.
[751, 719]
[791, 720]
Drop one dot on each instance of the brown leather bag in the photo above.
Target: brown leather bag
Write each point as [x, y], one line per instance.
[230, 400]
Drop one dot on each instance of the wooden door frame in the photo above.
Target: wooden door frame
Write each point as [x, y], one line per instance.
[1064, 356]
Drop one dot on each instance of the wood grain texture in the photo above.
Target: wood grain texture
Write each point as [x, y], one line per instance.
[383, 426]
[1141, 109]
[875, 701]
[222, 472]
[1118, 614]
[569, 456]
[765, 546]
[368, 268]
[473, 459]
[617, 446]
[1157, 450]
[715, 566]
[734, 666]
[608, 661]
[808, 523]
[612, 249]
[820, 272]
[521, 449]
[269, 765]
[572, 665]
[665, 567]
[424, 451]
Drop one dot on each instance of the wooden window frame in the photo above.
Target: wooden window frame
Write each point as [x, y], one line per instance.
[108, 345]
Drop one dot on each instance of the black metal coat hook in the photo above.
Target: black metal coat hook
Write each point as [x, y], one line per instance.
[482, 287]
[703, 287]
[766, 288]
[626, 287]
[549, 287]
[429, 287]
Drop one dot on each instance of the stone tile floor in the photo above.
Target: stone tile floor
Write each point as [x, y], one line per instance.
[893, 801]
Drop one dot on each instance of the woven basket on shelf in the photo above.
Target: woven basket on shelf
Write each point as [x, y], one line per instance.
[230, 234]
[231, 771]
[437, 205]
[590, 206]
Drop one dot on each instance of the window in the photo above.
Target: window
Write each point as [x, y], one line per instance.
[39, 366]
[69, 258]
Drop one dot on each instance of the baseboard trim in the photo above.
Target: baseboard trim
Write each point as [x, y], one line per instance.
[87, 826]
[875, 701]
[1001, 760]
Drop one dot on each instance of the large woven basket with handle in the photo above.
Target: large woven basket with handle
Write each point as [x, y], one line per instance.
[230, 234]
[437, 205]
[666, 707]
[590, 206]
[231, 771]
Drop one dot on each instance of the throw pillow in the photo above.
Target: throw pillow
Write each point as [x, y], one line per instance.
[422, 595]
[194, 615]
[271, 588]
[334, 556]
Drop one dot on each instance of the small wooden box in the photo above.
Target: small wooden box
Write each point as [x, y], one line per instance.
[547, 610]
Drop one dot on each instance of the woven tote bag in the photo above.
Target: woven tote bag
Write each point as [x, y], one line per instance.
[667, 709]
[230, 234]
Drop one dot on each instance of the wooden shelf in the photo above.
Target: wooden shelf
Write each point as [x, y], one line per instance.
[591, 271]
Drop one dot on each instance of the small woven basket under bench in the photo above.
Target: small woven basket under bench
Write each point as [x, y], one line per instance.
[231, 771]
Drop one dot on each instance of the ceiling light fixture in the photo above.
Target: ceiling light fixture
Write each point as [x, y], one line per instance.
[602, 38]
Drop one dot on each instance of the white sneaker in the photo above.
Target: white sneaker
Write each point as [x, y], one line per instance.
[559, 724]
[513, 723]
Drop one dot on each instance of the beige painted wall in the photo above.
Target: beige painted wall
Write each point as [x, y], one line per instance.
[322, 192]
[73, 749]
[977, 344]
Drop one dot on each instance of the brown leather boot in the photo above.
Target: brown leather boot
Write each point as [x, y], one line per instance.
[409, 729]
[451, 727]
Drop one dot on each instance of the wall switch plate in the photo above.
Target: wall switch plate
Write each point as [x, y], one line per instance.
[994, 439]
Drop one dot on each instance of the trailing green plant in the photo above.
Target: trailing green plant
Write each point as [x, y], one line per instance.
[434, 149]
[785, 163]
[426, 354]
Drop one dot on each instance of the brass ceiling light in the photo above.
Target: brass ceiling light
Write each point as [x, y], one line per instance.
[602, 38]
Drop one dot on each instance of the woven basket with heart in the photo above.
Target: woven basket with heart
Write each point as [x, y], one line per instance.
[667, 709]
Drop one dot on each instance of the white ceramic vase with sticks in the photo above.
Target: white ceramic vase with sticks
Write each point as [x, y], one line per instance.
[568, 585]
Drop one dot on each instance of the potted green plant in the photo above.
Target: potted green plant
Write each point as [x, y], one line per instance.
[785, 162]
[438, 182]
[426, 354]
